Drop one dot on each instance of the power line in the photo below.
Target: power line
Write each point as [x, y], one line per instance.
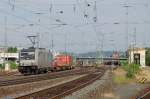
[19, 7]
[27, 20]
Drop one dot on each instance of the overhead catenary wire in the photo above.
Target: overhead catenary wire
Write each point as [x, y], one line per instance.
[66, 5]
[30, 11]
[57, 20]
[26, 20]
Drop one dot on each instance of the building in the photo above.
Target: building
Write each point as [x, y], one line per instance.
[137, 56]
[9, 56]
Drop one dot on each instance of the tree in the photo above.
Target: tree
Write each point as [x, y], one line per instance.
[148, 56]
[12, 50]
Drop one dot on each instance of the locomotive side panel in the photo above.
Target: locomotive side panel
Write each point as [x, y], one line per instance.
[44, 58]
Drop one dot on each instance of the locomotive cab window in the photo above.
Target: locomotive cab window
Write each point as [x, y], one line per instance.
[27, 55]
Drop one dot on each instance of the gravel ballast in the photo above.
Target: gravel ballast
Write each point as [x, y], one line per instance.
[94, 90]
[9, 92]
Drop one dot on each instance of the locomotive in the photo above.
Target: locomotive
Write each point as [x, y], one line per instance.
[34, 60]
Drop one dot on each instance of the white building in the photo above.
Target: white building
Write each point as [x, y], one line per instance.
[9, 56]
[137, 56]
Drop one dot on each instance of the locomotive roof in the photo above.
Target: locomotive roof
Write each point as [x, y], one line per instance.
[30, 49]
[27, 50]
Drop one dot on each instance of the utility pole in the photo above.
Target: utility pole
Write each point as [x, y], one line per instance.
[100, 41]
[127, 25]
[135, 34]
[5, 41]
[52, 44]
[102, 45]
[134, 40]
[5, 34]
[66, 48]
[65, 43]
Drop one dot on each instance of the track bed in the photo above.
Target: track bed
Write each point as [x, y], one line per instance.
[66, 88]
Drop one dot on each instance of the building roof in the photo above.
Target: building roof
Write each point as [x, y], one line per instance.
[136, 49]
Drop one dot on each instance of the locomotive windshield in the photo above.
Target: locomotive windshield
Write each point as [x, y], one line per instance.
[27, 54]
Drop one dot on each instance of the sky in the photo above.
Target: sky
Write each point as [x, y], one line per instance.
[71, 26]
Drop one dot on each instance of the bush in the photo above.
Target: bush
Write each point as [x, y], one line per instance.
[124, 63]
[131, 69]
[126, 67]
[130, 74]
[13, 65]
[1, 66]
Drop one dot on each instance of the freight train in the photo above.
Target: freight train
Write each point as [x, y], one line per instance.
[40, 60]
[63, 62]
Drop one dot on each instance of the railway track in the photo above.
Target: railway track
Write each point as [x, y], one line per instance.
[43, 77]
[144, 94]
[62, 90]
[3, 74]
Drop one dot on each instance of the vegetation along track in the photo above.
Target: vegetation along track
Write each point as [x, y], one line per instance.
[43, 77]
[62, 90]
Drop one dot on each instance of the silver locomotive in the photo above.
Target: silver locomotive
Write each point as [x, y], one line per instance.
[34, 60]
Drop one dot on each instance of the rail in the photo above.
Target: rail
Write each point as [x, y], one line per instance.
[145, 94]
[62, 90]
[43, 77]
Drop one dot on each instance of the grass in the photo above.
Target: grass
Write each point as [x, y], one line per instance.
[119, 79]
[120, 76]
[126, 74]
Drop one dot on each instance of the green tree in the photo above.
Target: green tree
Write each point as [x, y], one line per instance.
[12, 50]
[148, 56]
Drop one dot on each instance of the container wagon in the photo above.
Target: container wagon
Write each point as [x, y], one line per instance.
[34, 61]
[62, 62]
